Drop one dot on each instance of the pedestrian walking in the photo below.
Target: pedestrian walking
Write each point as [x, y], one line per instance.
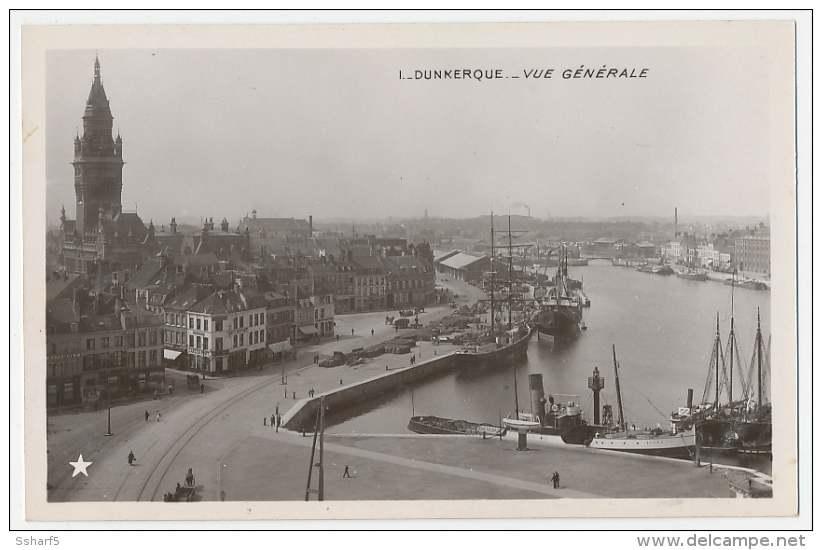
[146, 416]
[272, 420]
[131, 457]
[352, 332]
[346, 472]
[557, 479]
[372, 332]
[158, 416]
[202, 388]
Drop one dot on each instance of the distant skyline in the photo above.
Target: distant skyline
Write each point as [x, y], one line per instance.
[337, 134]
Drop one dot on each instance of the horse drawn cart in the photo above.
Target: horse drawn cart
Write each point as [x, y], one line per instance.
[182, 492]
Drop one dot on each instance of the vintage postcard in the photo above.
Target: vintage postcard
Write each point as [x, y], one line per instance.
[541, 270]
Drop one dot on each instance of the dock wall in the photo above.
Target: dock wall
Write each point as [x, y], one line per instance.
[303, 415]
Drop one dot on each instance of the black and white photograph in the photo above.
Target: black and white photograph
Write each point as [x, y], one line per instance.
[473, 271]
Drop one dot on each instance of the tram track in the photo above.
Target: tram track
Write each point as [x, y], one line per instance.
[149, 489]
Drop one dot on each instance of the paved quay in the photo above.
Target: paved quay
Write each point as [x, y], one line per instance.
[274, 466]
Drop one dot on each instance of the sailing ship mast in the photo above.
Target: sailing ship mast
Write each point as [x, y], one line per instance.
[759, 345]
[510, 275]
[717, 352]
[621, 420]
[492, 273]
[731, 344]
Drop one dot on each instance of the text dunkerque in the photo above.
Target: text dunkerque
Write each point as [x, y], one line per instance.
[581, 72]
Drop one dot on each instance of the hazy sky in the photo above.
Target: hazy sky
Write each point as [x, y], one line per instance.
[337, 133]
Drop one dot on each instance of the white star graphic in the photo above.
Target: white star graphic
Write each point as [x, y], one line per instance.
[80, 466]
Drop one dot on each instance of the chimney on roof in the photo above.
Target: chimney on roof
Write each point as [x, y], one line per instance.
[310, 226]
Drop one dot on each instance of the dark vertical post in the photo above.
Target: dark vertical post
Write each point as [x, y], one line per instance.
[322, 430]
[109, 420]
[311, 466]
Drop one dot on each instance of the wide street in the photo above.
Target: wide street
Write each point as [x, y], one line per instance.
[196, 430]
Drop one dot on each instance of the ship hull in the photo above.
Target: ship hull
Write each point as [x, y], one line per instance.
[559, 325]
[681, 445]
[507, 355]
[434, 425]
[692, 276]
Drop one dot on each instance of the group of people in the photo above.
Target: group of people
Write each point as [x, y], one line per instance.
[555, 480]
[159, 415]
[413, 359]
[311, 392]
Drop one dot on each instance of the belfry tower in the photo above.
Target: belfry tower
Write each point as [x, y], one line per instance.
[98, 162]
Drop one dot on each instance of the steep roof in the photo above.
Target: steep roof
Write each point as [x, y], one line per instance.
[213, 305]
[125, 228]
[100, 323]
[147, 274]
[59, 286]
[403, 264]
[367, 262]
[61, 311]
[185, 299]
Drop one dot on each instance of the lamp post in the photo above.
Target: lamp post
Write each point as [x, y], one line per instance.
[108, 433]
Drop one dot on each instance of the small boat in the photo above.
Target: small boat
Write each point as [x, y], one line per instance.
[664, 270]
[438, 425]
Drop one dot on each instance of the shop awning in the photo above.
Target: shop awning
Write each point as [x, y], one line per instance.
[308, 330]
[280, 347]
[171, 354]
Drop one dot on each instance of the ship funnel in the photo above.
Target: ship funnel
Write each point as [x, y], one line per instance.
[690, 398]
[537, 396]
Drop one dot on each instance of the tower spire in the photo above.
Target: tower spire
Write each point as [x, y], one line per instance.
[96, 68]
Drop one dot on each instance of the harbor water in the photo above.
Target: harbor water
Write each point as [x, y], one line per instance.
[663, 329]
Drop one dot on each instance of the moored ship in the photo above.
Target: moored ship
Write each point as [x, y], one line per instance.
[560, 312]
[495, 347]
[551, 417]
[678, 442]
[693, 275]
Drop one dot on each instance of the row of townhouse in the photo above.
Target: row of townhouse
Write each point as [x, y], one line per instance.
[112, 351]
[701, 254]
[362, 283]
[214, 331]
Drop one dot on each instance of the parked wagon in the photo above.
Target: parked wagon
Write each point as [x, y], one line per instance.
[181, 494]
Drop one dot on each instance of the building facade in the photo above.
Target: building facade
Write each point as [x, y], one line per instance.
[753, 254]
